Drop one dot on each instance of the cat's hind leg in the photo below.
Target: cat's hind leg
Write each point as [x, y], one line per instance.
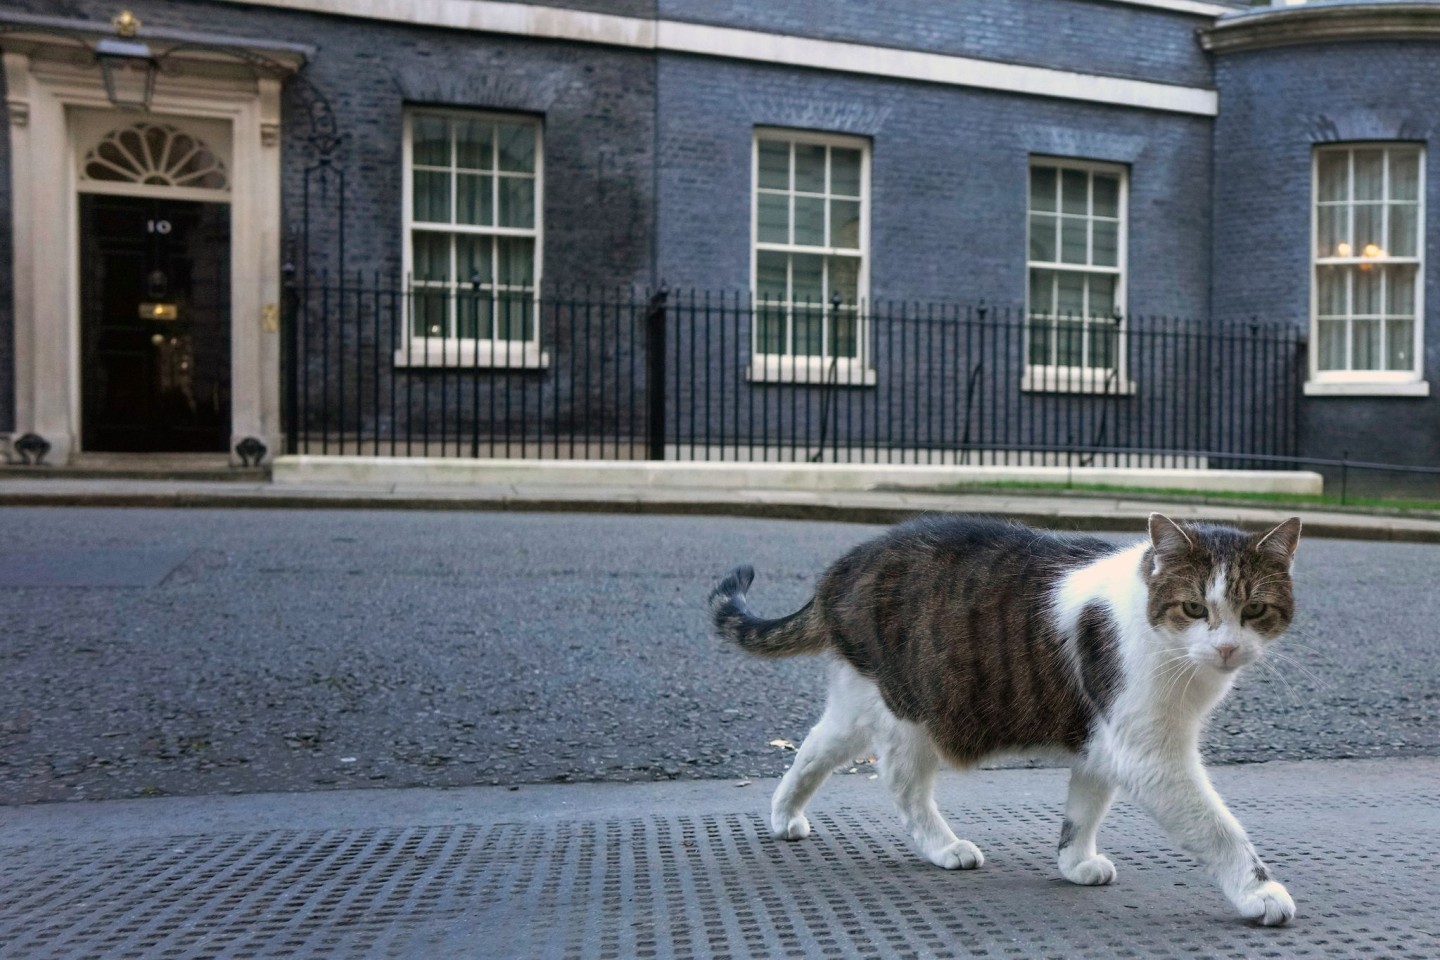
[908, 763]
[842, 735]
[1085, 807]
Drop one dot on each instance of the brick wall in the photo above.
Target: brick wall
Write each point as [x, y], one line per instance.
[1275, 107]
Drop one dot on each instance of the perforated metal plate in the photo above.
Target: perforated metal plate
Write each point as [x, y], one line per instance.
[553, 875]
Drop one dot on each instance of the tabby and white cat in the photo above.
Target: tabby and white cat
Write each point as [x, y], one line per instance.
[964, 638]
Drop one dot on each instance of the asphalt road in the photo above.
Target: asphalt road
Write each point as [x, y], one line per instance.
[149, 652]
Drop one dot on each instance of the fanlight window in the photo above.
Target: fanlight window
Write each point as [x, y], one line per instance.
[157, 154]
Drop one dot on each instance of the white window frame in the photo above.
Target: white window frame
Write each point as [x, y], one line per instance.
[1056, 378]
[1404, 383]
[453, 351]
[792, 368]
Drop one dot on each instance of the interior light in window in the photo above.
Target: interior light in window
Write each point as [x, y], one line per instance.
[1343, 250]
[1373, 250]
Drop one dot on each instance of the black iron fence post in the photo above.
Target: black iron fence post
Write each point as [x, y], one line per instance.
[655, 315]
[291, 360]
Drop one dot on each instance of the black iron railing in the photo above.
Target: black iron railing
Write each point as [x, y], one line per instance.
[694, 376]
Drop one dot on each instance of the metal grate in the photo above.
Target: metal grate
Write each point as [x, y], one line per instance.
[715, 886]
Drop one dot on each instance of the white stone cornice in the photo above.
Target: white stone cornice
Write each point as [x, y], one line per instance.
[674, 36]
[1322, 23]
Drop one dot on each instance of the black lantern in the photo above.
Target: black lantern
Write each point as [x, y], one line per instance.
[127, 65]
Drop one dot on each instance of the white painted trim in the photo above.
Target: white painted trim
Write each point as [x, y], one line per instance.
[673, 36]
[1184, 6]
[451, 351]
[1324, 380]
[1042, 377]
[773, 368]
[1367, 388]
[45, 88]
[807, 477]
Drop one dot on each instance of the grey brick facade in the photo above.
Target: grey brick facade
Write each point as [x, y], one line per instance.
[648, 164]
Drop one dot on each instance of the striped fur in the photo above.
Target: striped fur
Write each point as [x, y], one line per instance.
[964, 637]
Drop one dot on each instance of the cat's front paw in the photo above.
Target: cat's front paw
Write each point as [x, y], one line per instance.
[1268, 902]
[960, 855]
[786, 827]
[1093, 871]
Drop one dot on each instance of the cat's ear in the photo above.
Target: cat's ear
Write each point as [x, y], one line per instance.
[1279, 542]
[1168, 538]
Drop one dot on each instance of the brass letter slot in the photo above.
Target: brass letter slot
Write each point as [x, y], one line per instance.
[158, 311]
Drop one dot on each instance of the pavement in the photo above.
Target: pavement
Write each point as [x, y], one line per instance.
[1070, 511]
[686, 869]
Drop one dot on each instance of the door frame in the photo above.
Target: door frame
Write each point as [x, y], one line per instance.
[46, 89]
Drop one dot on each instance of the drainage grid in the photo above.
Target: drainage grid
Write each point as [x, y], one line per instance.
[552, 879]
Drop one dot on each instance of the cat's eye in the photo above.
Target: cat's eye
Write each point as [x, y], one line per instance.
[1252, 610]
[1193, 610]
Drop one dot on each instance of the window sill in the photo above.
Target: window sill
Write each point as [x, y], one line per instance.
[778, 369]
[1367, 388]
[520, 357]
[1074, 380]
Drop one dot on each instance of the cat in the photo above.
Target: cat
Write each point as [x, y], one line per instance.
[964, 638]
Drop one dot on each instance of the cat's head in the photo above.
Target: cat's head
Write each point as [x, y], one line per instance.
[1223, 594]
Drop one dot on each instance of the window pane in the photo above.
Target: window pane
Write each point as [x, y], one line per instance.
[807, 273]
[1042, 188]
[1072, 240]
[1366, 291]
[1102, 295]
[1104, 344]
[809, 168]
[1330, 234]
[810, 221]
[1333, 169]
[1106, 251]
[1330, 293]
[1404, 223]
[517, 202]
[1332, 344]
[1069, 342]
[1070, 297]
[843, 340]
[430, 136]
[472, 259]
[774, 165]
[1042, 237]
[1400, 290]
[474, 144]
[1365, 345]
[474, 315]
[809, 325]
[1399, 345]
[515, 258]
[1107, 195]
[845, 172]
[770, 328]
[773, 217]
[473, 200]
[1404, 174]
[844, 280]
[1074, 191]
[432, 197]
[1040, 342]
[1369, 175]
[845, 224]
[1368, 241]
[1042, 291]
[770, 276]
[429, 313]
[430, 256]
[514, 316]
[517, 146]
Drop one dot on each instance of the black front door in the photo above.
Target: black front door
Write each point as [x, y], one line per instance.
[155, 325]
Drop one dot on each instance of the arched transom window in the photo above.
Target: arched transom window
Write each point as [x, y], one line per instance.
[156, 154]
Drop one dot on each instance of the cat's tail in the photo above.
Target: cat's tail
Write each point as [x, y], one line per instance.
[786, 637]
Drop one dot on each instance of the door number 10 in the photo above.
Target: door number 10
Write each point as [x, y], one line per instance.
[157, 226]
